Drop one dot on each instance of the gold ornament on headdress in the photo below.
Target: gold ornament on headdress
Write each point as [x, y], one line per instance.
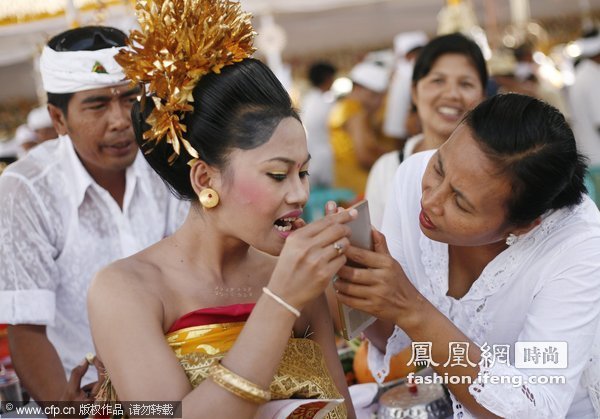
[180, 41]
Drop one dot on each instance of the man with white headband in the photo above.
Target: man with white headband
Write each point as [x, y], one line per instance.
[70, 207]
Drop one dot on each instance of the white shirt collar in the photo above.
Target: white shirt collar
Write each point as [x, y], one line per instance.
[82, 179]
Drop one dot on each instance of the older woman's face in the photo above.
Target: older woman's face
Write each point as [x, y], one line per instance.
[464, 200]
[446, 93]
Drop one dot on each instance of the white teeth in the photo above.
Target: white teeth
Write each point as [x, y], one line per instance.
[446, 110]
[288, 223]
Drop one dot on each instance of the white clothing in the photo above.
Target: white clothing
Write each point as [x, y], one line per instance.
[58, 227]
[584, 97]
[398, 100]
[381, 179]
[315, 113]
[544, 288]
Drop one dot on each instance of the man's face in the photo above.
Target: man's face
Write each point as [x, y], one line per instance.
[98, 121]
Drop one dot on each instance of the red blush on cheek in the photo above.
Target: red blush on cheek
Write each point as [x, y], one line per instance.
[250, 192]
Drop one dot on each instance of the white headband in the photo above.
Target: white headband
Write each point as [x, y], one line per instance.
[75, 71]
[370, 75]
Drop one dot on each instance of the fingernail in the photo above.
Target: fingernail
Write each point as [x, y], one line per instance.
[353, 212]
[330, 205]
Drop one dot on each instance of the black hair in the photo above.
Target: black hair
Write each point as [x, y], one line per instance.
[454, 43]
[532, 142]
[87, 38]
[239, 108]
[320, 72]
[60, 100]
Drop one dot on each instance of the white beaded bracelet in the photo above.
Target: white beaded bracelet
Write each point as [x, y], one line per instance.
[287, 306]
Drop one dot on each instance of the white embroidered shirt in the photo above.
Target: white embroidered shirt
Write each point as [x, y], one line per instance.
[58, 227]
[544, 288]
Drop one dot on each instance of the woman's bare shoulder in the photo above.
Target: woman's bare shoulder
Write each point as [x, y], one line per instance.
[136, 276]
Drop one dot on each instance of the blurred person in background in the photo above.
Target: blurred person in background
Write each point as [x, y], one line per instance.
[24, 140]
[39, 121]
[449, 78]
[584, 98]
[515, 70]
[17, 146]
[316, 105]
[407, 47]
[355, 139]
[36, 130]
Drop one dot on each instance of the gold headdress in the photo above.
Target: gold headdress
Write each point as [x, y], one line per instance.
[180, 41]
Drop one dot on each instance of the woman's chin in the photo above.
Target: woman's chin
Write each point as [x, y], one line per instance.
[432, 234]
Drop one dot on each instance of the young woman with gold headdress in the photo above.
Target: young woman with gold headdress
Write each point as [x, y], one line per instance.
[209, 315]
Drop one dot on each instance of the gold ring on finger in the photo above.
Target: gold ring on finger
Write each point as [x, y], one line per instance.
[339, 247]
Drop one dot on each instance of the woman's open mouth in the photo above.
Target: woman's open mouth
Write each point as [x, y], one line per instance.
[288, 223]
[285, 224]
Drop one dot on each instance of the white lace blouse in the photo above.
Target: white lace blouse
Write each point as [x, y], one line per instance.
[58, 227]
[544, 288]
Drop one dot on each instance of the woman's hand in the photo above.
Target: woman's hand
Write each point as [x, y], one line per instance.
[380, 288]
[310, 258]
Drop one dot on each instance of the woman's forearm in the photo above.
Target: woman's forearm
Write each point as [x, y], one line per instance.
[379, 333]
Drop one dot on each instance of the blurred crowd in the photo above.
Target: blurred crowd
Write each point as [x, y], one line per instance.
[351, 129]
[358, 137]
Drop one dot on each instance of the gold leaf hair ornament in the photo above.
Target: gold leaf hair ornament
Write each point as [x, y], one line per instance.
[180, 41]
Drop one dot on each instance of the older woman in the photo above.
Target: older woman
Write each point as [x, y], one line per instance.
[497, 244]
[449, 78]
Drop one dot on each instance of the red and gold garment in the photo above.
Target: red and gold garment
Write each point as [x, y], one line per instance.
[205, 335]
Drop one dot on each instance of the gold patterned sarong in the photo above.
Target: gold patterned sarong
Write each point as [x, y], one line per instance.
[301, 374]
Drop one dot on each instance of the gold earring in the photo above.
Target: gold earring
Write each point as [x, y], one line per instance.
[209, 198]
